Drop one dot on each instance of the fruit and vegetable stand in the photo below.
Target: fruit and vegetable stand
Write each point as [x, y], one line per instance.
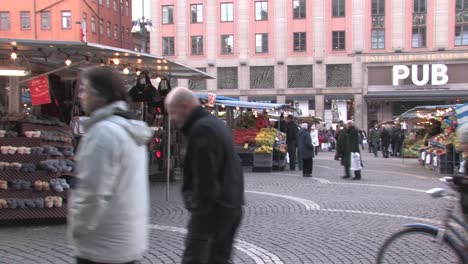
[436, 149]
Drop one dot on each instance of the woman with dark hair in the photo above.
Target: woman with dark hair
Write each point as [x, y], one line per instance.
[108, 213]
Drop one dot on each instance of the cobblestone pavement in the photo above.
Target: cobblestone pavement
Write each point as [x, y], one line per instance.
[287, 218]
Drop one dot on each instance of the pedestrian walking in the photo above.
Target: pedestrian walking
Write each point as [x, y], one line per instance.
[109, 209]
[385, 138]
[306, 150]
[348, 142]
[213, 186]
[374, 135]
[314, 135]
[291, 141]
[398, 139]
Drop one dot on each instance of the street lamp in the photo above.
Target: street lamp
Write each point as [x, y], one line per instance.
[142, 25]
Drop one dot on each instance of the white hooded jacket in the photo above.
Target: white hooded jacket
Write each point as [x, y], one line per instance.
[109, 209]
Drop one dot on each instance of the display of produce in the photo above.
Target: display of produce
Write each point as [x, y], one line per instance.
[244, 136]
[265, 140]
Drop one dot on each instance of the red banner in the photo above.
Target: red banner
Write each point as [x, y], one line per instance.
[39, 88]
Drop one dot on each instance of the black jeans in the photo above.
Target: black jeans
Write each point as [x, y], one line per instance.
[85, 261]
[292, 154]
[211, 235]
[307, 166]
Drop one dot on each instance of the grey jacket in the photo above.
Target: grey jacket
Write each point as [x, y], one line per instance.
[109, 209]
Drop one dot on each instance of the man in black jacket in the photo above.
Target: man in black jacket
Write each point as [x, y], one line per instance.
[292, 131]
[213, 187]
[348, 142]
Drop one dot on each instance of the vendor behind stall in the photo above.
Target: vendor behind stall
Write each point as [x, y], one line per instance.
[262, 120]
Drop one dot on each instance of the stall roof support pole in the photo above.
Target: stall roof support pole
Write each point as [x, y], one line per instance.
[169, 159]
[14, 98]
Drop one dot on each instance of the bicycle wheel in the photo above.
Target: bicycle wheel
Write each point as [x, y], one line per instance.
[418, 245]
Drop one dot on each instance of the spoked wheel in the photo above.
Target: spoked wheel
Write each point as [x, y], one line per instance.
[418, 245]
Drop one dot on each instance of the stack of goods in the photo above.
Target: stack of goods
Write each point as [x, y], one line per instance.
[263, 157]
[36, 162]
[279, 151]
[244, 140]
[440, 154]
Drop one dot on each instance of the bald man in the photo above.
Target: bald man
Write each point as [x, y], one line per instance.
[213, 187]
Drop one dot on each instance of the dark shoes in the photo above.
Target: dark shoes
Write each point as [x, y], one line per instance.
[307, 175]
[345, 177]
[356, 178]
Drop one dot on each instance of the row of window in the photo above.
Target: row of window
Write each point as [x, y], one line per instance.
[25, 20]
[263, 77]
[116, 6]
[261, 11]
[261, 43]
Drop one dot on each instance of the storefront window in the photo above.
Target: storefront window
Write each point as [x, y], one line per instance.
[339, 75]
[198, 84]
[262, 77]
[227, 78]
[300, 76]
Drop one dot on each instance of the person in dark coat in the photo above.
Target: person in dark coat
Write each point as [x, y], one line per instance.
[306, 150]
[385, 138]
[374, 136]
[213, 185]
[291, 141]
[348, 141]
[281, 124]
[398, 139]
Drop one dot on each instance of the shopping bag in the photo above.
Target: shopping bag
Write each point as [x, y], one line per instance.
[355, 161]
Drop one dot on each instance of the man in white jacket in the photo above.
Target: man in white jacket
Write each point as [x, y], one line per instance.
[108, 210]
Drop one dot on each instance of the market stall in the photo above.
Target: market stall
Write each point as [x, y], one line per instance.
[432, 137]
[264, 149]
[36, 139]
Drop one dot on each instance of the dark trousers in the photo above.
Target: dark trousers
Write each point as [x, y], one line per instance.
[211, 235]
[370, 147]
[85, 261]
[357, 174]
[375, 148]
[307, 166]
[385, 150]
[398, 151]
[292, 154]
[316, 149]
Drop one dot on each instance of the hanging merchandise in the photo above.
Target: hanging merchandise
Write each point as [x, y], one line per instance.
[145, 92]
[164, 87]
[39, 89]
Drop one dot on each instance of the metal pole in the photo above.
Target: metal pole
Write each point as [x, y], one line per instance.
[168, 156]
[143, 27]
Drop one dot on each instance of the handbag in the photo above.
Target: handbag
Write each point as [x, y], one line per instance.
[355, 161]
[145, 92]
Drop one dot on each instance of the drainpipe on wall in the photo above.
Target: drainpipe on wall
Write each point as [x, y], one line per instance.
[35, 20]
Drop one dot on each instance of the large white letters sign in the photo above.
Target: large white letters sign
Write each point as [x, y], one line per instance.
[438, 74]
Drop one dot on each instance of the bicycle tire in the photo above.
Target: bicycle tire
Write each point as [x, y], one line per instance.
[420, 252]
